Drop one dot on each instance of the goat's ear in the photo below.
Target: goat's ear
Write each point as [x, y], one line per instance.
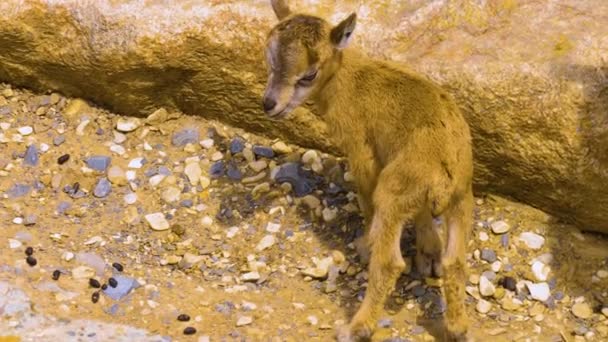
[281, 9]
[342, 33]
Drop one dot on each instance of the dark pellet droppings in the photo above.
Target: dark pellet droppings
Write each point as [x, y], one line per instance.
[189, 331]
[94, 283]
[117, 266]
[64, 158]
[104, 286]
[56, 274]
[29, 251]
[95, 297]
[509, 283]
[31, 260]
[183, 318]
[112, 282]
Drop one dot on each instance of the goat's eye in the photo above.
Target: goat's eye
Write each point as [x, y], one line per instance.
[308, 78]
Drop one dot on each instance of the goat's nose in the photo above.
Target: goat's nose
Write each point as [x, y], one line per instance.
[269, 104]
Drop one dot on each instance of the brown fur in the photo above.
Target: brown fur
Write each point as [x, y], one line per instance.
[408, 147]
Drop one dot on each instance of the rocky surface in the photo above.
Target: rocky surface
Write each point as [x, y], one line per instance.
[534, 90]
[253, 242]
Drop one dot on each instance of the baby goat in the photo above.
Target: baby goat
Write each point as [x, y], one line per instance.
[408, 147]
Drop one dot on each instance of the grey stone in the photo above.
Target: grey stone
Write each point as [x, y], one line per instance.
[185, 136]
[99, 163]
[488, 255]
[124, 287]
[18, 190]
[58, 140]
[31, 156]
[103, 188]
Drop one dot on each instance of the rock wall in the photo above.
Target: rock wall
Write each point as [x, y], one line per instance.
[531, 76]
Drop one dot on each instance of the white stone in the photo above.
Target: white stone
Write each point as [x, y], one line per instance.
[157, 221]
[496, 266]
[500, 227]
[119, 138]
[266, 242]
[231, 232]
[156, 180]
[483, 306]
[312, 320]
[207, 221]
[25, 130]
[310, 157]
[171, 194]
[250, 276]
[540, 270]
[18, 220]
[483, 236]
[486, 288]
[217, 156]
[44, 147]
[207, 143]
[602, 274]
[272, 227]
[13, 244]
[244, 320]
[532, 240]
[127, 124]
[193, 172]
[136, 163]
[130, 198]
[539, 291]
[67, 256]
[329, 214]
[118, 149]
[131, 175]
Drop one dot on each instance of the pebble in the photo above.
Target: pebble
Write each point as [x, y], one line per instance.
[207, 221]
[483, 306]
[582, 310]
[266, 242]
[509, 283]
[14, 244]
[250, 276]
[539, 291]
[157, 221]
[244, 320]
[171, 194]
[58, 140]
[486, 288]
[602, 274]
[272, 227]
[25, 130]
[117, 176]
[185, 136]
[532, 240]
[263, 151]
[99, 163]
[31, 156]
[237, 145]
[123, 287]
[126, 125]
[130, 198]
[499, 227]
[540, 271]
[281, 148]
[258, 165]
[329, 214]
[488, 255]
[193, 172]
[207, 143]
[483, 236]
[136, 163]
[103, 188]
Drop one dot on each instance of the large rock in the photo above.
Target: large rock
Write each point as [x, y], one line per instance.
[529, 75]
